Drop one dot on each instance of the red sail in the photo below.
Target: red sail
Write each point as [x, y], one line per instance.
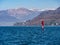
[42, 22]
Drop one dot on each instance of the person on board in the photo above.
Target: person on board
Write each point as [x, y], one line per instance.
[42, 23]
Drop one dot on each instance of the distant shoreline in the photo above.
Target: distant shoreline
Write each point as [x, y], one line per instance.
[31, 26]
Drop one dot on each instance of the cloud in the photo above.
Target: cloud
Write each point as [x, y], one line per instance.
[48, 9]
[35, 9]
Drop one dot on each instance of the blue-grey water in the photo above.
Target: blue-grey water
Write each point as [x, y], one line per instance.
[29, 35]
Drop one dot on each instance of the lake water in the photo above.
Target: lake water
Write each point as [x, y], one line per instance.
[17, 35]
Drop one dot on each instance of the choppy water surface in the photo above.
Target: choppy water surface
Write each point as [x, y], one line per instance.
[29, 36]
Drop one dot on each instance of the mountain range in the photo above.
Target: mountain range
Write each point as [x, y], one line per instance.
[17, 15]
[50, 17]
[23, 16]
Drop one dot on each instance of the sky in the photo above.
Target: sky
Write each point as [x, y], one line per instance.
[29, 4]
